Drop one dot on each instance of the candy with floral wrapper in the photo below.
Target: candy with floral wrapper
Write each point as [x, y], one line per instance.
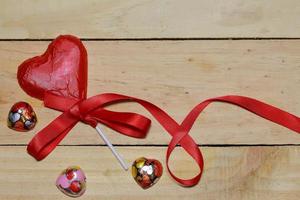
[60, 71]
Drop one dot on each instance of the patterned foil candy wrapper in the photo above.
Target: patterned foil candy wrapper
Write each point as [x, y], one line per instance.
[72, 182]
[21, 117]
[146, 172]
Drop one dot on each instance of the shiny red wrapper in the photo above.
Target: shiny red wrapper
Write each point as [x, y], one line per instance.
[61, 70]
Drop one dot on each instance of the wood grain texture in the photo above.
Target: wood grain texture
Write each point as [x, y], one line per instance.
[149, 19]
[231, 173]
[175, 75]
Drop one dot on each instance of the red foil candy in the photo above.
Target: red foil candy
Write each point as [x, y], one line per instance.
[21, 117]
[61, 70]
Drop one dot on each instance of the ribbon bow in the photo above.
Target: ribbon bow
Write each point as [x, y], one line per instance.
[92, 111]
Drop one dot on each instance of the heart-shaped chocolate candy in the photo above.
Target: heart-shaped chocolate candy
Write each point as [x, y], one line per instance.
[146, 172]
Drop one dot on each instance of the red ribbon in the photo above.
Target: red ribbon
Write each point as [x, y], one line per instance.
[92, 111]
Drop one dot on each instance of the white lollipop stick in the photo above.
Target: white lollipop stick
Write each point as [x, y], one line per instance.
[111, 147]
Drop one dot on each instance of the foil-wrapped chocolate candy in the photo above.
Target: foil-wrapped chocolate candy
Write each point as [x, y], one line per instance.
[72, 181]
[21, 117]
[146, 172]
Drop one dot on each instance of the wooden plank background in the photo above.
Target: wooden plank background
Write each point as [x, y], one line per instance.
[149, 19]
[230, 173]
[174, 54]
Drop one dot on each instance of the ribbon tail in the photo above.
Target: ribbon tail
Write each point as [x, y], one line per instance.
[259, 108]
[45, 141]
[264, 110]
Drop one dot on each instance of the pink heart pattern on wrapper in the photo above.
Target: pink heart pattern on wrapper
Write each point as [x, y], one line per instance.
[72, 182]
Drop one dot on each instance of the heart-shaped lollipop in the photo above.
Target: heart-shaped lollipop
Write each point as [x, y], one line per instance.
[61, 70]
[146, 172]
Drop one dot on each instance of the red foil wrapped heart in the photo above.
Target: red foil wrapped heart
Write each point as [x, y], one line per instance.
[61, 70]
